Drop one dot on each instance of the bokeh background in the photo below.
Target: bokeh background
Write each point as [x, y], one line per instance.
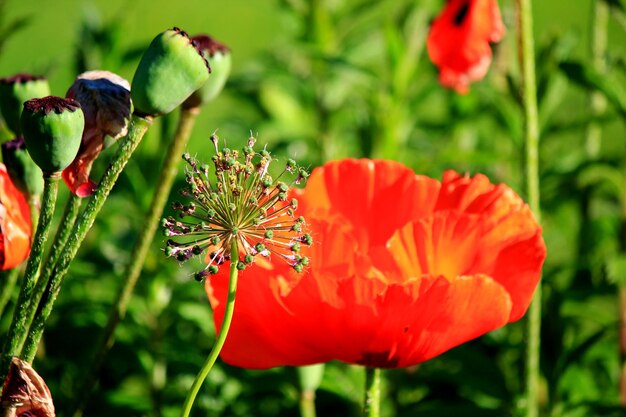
[326, 79]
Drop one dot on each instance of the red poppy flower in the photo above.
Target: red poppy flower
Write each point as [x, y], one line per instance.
[105, 100]
[404, 268]
[15, 223]
[458, 41]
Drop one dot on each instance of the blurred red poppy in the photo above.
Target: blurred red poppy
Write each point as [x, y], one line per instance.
[458, 41]
[15, 223]
[404, 268]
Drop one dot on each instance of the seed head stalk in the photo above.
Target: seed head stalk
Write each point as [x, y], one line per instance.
[221, 337]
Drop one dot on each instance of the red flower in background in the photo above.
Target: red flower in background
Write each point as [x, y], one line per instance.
[405, 267]
[458, 41]
[15, 223]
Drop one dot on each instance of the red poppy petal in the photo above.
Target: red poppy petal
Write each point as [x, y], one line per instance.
[362, 190]
[402, 326]
[15, 222]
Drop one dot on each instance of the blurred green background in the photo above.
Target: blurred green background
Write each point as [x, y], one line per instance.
[326, 79]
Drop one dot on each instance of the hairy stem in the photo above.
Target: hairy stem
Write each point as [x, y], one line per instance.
[138, 128]
[138, 256]
[371, 406]
[531, 140]
[19, 323]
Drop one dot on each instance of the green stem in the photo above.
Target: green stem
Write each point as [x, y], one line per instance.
[310, 377]
[9, 279]
[597, 101]
[70, 214]
[137, 129]
[221, 337]
[138, 256]
[18, 324]
[371, 406]
[527, 58]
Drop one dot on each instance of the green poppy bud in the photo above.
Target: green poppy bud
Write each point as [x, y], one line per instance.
[22, 170]
[219, 58]
[52, 128]
[169, 71]
[14, 91]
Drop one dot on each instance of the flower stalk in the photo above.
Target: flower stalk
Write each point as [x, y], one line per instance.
[140, 250]
[531, 140]
[19, 324]
[138, 128]
[221, 337]
[371, 406]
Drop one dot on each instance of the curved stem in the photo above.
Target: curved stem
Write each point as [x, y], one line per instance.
[138, 256]
[221, 338]
[137, 129]
[371, 406]
[527, 58]
[19, 323]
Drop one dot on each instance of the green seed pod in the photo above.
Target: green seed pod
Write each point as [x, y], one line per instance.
[219, 58]
[22, 170]
[14, 91]
[52, 128]
[170, 70]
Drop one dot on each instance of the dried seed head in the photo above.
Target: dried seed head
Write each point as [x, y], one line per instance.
[237, 201]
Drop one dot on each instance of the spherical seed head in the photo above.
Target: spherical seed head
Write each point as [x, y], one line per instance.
[238, 202]
[218, 56]
[14, 91]
[52, 128]
[22, 170]
[171, 69]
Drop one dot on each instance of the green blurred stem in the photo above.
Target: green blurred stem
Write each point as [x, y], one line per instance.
[221, 338]
[371, 406]
[597, 101]
[527, 61]
[19, 323]
[7, 281]
[310, 378]
[138, 128]
[133, 269]
[622, 345]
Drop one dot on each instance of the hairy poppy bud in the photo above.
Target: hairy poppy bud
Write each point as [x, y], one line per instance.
[219, 58]
[52, 128]
[22, 170]
[169, 71]
[14, 91]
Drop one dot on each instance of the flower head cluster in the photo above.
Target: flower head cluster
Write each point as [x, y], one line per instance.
[237, 205]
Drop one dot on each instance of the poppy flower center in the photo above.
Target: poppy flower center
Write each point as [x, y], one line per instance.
[461, 14]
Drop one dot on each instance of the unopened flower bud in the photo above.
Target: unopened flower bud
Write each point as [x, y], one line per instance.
[52, 128]
[14, 91]
[22, 170]
[170, 70]
[218, 56]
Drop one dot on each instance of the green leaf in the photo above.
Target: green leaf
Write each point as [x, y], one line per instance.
[616, 269]
[587, 77]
